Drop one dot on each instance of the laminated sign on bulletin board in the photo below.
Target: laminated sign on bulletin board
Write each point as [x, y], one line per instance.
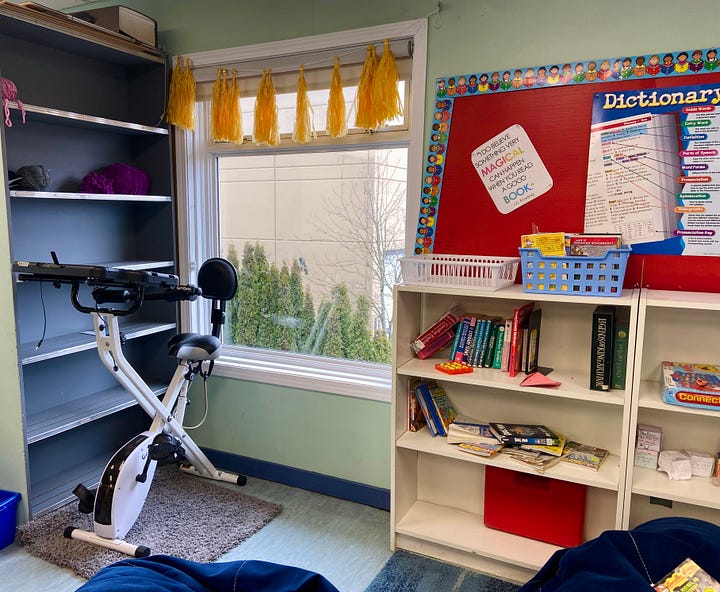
[626, 145]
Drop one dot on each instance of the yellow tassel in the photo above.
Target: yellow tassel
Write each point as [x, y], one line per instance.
[386, 98]
[181, 100]
[235, 133]
[304, 130]
[365, 116]
[266, 129]
[216, 108]
[336, 121]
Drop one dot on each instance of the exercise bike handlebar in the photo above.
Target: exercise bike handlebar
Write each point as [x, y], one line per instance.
[110, 285]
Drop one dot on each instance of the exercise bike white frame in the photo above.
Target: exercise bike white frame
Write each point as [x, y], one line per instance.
[129, 495]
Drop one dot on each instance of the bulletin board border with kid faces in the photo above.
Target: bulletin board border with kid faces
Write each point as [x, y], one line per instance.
[538, 121]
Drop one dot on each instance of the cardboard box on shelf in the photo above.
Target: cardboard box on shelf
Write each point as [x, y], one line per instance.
[122, 19]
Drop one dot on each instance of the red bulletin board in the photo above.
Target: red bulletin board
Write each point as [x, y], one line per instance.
[457, 213]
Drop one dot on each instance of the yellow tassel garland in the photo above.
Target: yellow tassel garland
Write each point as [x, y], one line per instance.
[235, 133]
[386, 98]
[181, 100]
[266, 129]
[304, 130]
[336, 125]
[365, 116]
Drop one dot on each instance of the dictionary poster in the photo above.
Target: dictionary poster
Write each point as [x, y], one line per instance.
[654, 169]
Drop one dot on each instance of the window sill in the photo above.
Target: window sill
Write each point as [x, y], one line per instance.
[327, 375]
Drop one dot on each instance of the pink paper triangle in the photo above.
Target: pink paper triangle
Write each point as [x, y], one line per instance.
[538, 379]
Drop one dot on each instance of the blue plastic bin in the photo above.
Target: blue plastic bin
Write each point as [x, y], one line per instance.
[8, 510]
[581, 276]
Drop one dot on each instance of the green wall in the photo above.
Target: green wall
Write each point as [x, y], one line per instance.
[341, 436]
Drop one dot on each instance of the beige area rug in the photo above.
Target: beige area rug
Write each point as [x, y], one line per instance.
[184, 516]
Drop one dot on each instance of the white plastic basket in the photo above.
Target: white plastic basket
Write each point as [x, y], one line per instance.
[464, 271]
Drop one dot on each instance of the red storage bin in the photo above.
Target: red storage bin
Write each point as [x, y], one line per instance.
[534, 506]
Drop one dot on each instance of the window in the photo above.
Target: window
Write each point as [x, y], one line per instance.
[316, 230]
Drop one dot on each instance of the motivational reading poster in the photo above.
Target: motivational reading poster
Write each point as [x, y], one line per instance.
[511, 169]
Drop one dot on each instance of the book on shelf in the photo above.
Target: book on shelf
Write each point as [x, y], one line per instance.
[585, 455]
[556, 450]
[489, 355]
[499, 346]
[461, 340]
[533, 341]
[520, 433]
[519, 322]
[464, 429]
[443, 341]
[420, 395]
[442, 325]
[505, 359]
[416, 417]
[481, 341]
[470, 341]
[691, 384]
[539, 461]
[601, 348]
[688, 577]
[481, 449]
[621, 333]
[440, 410]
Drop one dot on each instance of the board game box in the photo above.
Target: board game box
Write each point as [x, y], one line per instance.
[691, 385]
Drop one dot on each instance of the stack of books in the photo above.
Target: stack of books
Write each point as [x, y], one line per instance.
[436, 407]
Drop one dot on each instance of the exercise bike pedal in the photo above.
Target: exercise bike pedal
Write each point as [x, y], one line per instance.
[86, 498]
[166, 449]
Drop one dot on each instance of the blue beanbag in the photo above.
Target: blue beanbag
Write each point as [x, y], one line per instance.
[163, 573]
[612, 561]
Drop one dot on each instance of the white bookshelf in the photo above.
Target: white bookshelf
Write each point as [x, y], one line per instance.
[437, 492]
[681, 327]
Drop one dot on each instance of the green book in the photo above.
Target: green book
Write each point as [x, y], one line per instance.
[620, 349]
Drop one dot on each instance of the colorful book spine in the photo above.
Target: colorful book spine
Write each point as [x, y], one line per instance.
[479, 341]
[456, 354]
[470, 340]
[448, 321]
[436, 345]
[500, 347]
[601, 356]
[533, 346]
[504, 364]
[620, 351]
[519, 322]
[427, 400]
[490, 351]
[420, 396]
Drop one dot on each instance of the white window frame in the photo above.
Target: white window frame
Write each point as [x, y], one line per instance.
[197, 211]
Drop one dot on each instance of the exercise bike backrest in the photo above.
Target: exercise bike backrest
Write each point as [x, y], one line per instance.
[218, 281]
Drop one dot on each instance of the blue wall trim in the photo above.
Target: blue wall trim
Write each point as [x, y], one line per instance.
[334, 486]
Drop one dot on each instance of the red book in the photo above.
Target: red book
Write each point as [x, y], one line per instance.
[436, 330]
[436, 345]
[519, 322]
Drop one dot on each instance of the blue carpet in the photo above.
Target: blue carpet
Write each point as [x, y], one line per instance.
[407, 572]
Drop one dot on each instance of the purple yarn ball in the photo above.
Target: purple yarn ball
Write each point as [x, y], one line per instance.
[127, 179]
[96, 183]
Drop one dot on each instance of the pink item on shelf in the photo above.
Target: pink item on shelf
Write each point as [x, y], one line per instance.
[10, 93]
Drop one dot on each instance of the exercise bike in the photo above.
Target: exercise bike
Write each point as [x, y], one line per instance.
[127, 477]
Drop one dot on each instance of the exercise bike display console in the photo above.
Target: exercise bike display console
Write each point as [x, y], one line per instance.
[113, 293]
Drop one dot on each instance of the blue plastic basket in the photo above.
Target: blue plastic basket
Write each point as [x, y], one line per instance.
[8, 509]
[582, 276]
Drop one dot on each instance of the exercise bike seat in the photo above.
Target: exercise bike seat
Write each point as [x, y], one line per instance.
[194, 347]
[218, 281]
